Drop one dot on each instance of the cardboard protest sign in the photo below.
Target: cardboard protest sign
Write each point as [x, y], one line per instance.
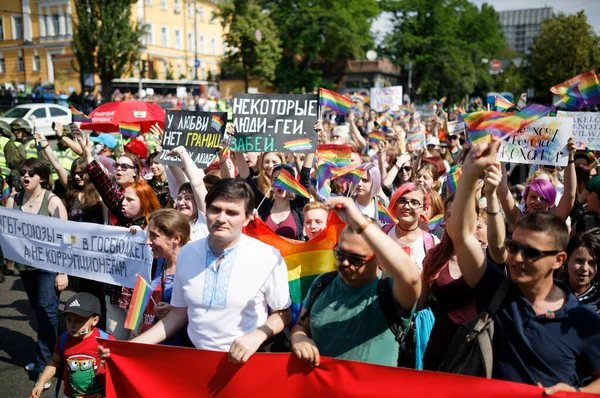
[200, 132]
[98, 252]
[541, 142]
[275, 123]
[586, 128]
[386, 96]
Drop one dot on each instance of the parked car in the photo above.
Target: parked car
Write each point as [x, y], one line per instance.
[41, 114]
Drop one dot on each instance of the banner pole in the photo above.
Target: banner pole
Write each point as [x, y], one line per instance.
[261, 202]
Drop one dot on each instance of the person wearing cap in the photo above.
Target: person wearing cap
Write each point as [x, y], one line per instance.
[77, 350]
[432, 143]
[23, 148]
[454, 146]
[6, 136]
[138, 148]
[104, 144]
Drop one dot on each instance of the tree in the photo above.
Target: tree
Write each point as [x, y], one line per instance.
[319, 37]
[105, 40]
[170, 75]
[565, 47]
[445, 40]
[252, 39]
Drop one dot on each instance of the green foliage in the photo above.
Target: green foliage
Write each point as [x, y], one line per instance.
[170, 75]
[258, 58]
[565, 47]
[105, 40]
[445, 40]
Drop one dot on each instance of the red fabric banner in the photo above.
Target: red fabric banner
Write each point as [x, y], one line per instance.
[140, 370]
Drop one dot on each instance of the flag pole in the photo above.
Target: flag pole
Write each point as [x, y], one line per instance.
[266, 196]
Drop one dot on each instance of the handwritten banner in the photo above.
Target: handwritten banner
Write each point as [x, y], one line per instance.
[142, 370]
[586, 128]
[541, 142]
[91, 251]
[275, 122]
[386, 96]
[199, 132]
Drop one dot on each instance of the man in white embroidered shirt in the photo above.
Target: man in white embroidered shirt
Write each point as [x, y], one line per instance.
[225, 283]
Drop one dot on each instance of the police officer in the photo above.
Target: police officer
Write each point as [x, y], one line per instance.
[6, 136]
[24, 148]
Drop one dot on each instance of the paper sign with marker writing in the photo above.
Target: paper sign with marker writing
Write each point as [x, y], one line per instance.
[383, 97]
[541, 142]
[275, 122]
[586, 128]
[199, 132]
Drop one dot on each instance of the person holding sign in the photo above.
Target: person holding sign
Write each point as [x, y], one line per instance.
[42, 287]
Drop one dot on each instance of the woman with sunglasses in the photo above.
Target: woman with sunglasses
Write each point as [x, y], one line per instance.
[42, 287]
[580, 271]
[400, 173]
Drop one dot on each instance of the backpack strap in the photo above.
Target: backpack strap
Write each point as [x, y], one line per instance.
[62, 341]
[102, 334]
[318, 287]
[391, 312]
[499, 296]
[387, 227]
[428, 243]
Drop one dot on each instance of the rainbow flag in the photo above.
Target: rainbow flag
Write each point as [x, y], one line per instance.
[333, 101]
[356, 110]
[435, 222]
[335, 154]
[441, 102]
[304, 144]
[375, 137]
[141, 296]
[502, 104]
[417, 139]
[216, 122]
[453, 177]
[353, 176]
[5, 193]
[504, 124]
[129, 129]
[588, 88]
[431, 103]
[288, 183]
[479, 137]
[590, 155]
[78, 116]
[406, 109]
[384, 214]
[304, 260]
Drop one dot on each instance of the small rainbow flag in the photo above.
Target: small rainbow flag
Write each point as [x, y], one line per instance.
[304, 144]
[384, 214]
[333, 101]
[335, 154]
[129, 129]
[216, 123]
[587, 88]
[431, 103]
[353, 176]
[479, 137]
[288, 183]
[375, 137]
[356, 110]
[590, 155]
[416, 139]
[441, 102]
[435, 222]
[78, 116]
[502, 104]
[5, 193]
[406, 109]
[141, 296]
[453, 177]
[503, 124]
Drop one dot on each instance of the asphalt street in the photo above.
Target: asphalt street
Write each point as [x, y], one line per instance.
[17, 340]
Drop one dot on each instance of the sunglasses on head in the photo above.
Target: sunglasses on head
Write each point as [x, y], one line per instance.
[353, 259]
[30, 173]
[123, 166]
[528, 252]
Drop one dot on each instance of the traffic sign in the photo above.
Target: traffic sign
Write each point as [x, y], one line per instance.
[197, 63]
[495, 65]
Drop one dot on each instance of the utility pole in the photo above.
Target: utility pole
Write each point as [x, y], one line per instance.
[195, 40]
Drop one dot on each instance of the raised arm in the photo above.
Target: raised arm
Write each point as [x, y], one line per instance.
[74, 145]
[194, 174]
[512, 212]
[355, 133]
[393, 172]
[496, 230]
[463, 223]
[63, 175]
[568, 199]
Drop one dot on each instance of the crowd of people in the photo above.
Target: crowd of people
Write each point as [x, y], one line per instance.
[397, 292]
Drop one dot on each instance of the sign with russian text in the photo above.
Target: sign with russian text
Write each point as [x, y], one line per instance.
[383, 97]
[586, 128]
[199, 132]
[275, 123]
[99, 252]
[541, 142]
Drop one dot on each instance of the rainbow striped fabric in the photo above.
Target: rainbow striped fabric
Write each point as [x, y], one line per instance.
[406, 109]
[417, 139]
[216, 123]
[78, 116]
[584, 87]
[590, 155]
[141, 296]
[435, 222]
[5, 193]
[353, 176]
[303, 144]
[333, 101]
[384, 215]
[288, 183]
[504, 124]
[453, 177]
[335, 154]
[129, 129]
[441, 102]
[502, 104]
[479, 137]
[431, 103]
[304, 260]
[375, 137]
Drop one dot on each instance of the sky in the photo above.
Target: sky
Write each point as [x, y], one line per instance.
[592, 9]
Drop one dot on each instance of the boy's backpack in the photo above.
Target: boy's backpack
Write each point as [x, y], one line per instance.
[62, 340]
[404, 337]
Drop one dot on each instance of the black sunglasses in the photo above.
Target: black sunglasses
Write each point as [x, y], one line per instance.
[30, 173]
[353, 259]
[80, 173]
[528, 252]
[406, 169]
[121, 166]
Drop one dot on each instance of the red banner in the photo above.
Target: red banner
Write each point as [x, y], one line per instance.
[140, 370]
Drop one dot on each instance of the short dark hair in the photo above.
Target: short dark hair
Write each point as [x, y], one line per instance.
[587, 240]
[41, 168]
[549, 223]
[232, 188]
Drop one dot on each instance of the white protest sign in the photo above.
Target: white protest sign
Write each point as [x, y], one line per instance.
[386, 96]
[456, 128]
[586, 128]
[541, 142]
[91, 251]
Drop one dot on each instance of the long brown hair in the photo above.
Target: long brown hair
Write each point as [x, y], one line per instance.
[264, 181]
[90, 196]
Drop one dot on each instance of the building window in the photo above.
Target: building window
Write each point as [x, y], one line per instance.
[20, 64]
[149, 36]
[148, 3]
[224, 47]
[56, 24]
[213, 46]
[2, 64]
[164, 37]
[36, 63]
[17, 27]
[190, 42]
[163, 5]
[1, 28]
[201, 13]
[177, 39]
[202, 49]
[190, 10]
[177, 7]
[212, 17]
[179, 71]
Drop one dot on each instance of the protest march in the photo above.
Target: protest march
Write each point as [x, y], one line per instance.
[374, 249]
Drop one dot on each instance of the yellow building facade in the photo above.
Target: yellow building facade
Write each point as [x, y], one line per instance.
[36, 35]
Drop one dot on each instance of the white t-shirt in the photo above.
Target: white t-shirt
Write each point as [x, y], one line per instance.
[199, 228]
[369, 210]
[417, 248]
[230, 300]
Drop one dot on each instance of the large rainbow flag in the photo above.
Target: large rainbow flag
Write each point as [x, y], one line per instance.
[333, 101]
[584, 86]
[305, 260]
[504, 124]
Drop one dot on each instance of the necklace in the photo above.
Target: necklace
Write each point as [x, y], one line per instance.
[30, 202]
[408, 230]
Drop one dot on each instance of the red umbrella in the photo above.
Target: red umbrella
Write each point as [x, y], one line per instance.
[106, 117]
